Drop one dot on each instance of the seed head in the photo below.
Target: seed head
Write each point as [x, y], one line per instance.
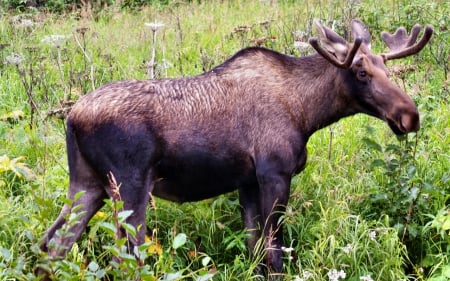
[154, 26]
[55, 40]
[14, 59]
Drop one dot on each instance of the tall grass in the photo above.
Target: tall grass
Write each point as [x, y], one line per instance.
[367, 203]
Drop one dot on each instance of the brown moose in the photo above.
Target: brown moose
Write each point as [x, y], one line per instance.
[243, 125]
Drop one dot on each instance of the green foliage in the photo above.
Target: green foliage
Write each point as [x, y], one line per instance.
[406, 197]
[367, 203]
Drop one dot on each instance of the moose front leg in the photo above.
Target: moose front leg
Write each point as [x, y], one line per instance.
[274, 194]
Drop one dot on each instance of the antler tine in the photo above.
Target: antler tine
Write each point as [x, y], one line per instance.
[402, 45]
[349, 58]
[400, 39]
[414, 33]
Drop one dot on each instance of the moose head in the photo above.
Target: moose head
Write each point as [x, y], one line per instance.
[375, 93]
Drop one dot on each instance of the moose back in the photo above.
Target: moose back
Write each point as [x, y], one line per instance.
[243, 125]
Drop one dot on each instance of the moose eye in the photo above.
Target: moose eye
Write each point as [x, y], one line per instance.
[362, 73]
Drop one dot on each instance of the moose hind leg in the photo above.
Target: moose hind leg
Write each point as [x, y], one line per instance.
[135, 194]
[82, 207]
[63, 233]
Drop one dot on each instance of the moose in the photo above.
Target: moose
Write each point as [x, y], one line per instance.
[241, 126]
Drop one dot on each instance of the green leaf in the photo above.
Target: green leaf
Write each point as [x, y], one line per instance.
[128, 257]
[205, 277]
[411, 171]
[113, 250]
[78, 195]
[372, 144]
[123, 215]
[377, 163]
[171, 276]
[413, 230]
[100, 274]
[446, 224]
[438, 278]
[118, 205]
[446, 271]
[108, 227]
[93, 266]
[413, 193]
[5, 253]
[129, 228]
[205, 261]
[179, 240]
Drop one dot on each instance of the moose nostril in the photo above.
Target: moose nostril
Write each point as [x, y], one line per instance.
[410, 122]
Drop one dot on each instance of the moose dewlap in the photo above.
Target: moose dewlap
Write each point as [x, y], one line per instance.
[243, 125]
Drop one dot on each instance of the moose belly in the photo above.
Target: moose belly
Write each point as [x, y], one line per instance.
[199, 175]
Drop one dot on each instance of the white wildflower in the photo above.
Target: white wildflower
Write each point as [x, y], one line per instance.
[287, 250]
[347, 249]
[55, 40]
[14, 59]
[366, 278]
[299, 35]
[306, 275]
[165, 64]
[154, 26]
[372, 235]
[23, 23]
[301, 46]
[16, 19]
[334, 275]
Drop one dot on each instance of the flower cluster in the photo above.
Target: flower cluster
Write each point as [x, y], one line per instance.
[288, 250]
[55, 40]
[22, 23]
[301, 46]
[14, 59]
[348, 249]
[372, 235]
[334, 275]
[366, 278]
[300, 41]
[305, 276]
[154, 26]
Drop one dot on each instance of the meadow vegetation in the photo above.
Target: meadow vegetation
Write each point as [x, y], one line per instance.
[368, 206]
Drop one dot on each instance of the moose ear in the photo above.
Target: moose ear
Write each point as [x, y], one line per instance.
[361, 31]
[331, 41]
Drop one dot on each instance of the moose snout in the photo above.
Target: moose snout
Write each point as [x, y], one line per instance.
[410, 122]
[405, 120]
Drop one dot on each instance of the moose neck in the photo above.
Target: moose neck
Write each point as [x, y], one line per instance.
[325, 96]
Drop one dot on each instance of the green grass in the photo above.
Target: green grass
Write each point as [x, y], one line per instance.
[359, 180]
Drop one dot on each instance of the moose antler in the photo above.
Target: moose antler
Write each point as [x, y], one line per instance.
[314, 42]
[402, 45]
